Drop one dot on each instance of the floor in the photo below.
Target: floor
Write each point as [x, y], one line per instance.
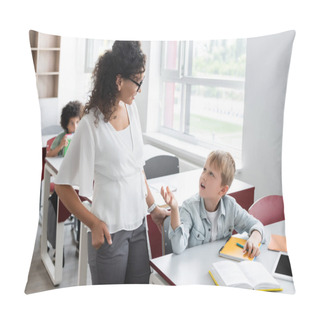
[39, 280]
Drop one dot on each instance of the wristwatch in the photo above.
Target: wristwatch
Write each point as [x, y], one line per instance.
[152, 207]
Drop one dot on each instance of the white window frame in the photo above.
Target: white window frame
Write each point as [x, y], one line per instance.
[94, 48]
[178, 76]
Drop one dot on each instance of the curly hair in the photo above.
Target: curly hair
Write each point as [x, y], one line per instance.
[72, 109]
[125, 58]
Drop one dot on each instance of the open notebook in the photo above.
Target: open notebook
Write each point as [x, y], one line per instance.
[245, 274]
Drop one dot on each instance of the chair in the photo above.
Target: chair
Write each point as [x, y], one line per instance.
[49, 143]
[155, 167]
[53, 129]
[44, 152]
[160, 166]
[269, 209]
[166, 242]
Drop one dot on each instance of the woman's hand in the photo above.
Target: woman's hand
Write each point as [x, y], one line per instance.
[99, 233]
[158, 215]
[252, 244]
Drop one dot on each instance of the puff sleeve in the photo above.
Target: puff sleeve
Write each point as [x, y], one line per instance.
[77, 168]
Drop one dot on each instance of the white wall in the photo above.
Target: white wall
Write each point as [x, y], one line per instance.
[74, 83]
[148, 100]
[268, 60]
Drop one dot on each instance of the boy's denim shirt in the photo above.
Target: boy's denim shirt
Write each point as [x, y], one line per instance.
[195, 227]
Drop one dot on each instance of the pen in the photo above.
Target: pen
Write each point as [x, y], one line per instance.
[226, 242]
[239, 245]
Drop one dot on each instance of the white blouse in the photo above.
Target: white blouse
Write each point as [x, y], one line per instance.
[102, 166]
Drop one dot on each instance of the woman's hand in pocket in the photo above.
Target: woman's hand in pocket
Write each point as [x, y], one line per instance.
[99, 233]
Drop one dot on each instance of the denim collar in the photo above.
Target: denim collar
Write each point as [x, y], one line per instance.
[221, 208]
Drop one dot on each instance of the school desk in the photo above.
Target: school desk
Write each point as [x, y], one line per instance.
[192, 265]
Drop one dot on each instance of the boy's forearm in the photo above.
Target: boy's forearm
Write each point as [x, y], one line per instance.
[256, 235]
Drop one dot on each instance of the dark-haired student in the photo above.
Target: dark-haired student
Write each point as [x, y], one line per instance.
[69, 120]
[107, 149]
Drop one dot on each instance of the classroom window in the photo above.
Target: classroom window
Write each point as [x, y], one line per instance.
[203, 92]
[95, 48]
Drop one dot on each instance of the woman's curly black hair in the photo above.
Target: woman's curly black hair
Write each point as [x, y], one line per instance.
[71, 110]
[125, 58]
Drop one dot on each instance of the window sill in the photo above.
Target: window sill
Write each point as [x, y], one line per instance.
[194, 154]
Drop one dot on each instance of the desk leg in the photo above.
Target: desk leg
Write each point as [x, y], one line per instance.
[54, 270]
[59, 249]
[44, 235]
[83, 256]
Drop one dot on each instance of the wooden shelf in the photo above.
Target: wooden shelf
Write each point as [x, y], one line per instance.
[45, 50]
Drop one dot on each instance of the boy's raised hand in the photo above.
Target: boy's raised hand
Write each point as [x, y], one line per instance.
[169, 198]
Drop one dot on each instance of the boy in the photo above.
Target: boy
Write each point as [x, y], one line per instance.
[70, 117]
[211, 214]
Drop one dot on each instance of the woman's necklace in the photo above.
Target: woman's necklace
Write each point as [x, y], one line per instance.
[113, 117]
[116, 111]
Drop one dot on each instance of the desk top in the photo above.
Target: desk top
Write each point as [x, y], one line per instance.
[54, 163]
[192, 266]
[149, 152]
[186, 185]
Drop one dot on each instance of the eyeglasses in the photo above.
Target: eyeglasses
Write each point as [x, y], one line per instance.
[139, 84]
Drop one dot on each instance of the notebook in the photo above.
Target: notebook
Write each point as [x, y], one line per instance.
[233, 251]
[245, 274]
[277, 243]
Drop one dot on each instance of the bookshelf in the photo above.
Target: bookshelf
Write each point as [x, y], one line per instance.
[45, 50]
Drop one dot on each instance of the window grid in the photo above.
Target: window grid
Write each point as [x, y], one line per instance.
[181, 75]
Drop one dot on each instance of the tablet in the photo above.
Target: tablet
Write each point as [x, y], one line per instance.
[282, 267]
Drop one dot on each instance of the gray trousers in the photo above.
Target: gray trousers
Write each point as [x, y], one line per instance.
[125, 261]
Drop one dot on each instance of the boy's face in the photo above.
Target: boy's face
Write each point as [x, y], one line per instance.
[72, 124]
[210, 183]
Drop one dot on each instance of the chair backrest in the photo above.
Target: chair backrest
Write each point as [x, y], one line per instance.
[269, 209]
[162, 165]
[155, 167]
[49, 143]
[44, 154]
[166, 242]
[54, 129]
[155, 238]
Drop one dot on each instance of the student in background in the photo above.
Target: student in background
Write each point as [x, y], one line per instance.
[211, 214]
[107, 149]
[70, 117]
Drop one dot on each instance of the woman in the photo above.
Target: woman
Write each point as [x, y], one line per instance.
[105, 161]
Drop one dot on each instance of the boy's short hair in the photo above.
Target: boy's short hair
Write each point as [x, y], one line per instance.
[71, 110]
[225, 163]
